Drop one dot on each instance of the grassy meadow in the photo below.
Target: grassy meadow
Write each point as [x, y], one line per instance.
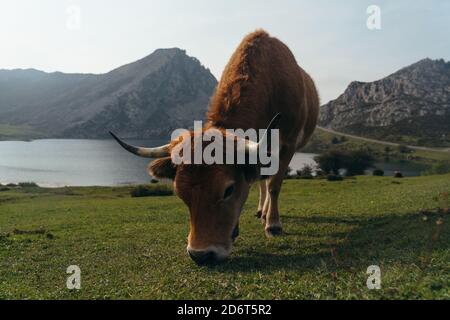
[134, 248]
[322, 141]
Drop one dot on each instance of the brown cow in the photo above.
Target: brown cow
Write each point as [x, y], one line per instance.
[262, 79]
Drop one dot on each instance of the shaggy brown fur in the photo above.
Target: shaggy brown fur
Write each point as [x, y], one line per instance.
[261, 79]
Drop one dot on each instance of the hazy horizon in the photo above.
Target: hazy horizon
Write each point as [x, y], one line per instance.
[330, 41]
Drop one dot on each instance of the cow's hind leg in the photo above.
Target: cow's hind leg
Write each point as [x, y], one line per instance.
[272, 216]
[262, 198]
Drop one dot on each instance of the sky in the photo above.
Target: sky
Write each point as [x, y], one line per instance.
[330, 39]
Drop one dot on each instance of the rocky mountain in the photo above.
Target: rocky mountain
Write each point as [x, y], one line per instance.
[411, 106]
[145, 99]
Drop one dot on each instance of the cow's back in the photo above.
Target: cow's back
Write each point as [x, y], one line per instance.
[261, 79]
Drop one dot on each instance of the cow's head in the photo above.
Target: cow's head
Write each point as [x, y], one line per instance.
[214, 193]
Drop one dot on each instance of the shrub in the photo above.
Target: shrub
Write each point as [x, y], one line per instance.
[334, 177]
[403, 149]
[330, 161]
[306, 172]
[378, 172]
[355, 162]
[152, 190]
[335, 140]
[398, 174]
[440, 167]
[3, 188]
[358, 161]
[28, 185]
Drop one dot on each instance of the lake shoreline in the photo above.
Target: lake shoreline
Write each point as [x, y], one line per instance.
[57, 163]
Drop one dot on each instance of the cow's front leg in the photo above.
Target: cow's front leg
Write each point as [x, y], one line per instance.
[262, 198]
[272, 216]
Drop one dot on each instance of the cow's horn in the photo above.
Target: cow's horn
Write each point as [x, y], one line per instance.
[252, 147]
[157, 152]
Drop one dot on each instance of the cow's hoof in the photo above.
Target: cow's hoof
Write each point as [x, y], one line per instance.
[258, 214]
[273, 231]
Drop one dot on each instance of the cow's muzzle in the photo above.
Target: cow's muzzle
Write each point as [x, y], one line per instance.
[208, 256]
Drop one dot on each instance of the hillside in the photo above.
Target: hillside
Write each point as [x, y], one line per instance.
[410, 106]
[147, 98]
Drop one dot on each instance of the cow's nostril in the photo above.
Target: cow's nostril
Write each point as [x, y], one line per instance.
[203, 257]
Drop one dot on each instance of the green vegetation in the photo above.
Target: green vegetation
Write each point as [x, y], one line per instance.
[378, 172]
[135, 247]
[8, 132]
[152, 190]
[27, 185]
[322, 141]
[306, 172]
[355, 162]
[417, 131]
[440, 167]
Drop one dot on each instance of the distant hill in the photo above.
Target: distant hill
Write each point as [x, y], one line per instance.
[144, 99]
[410, 106]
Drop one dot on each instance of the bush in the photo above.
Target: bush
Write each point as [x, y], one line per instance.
[28, 185]
[378, 172]
[330, 161]
[334, 177]
[355, 162]
[306, 172]
[152, 190]
[404, 149]
[3, 188]
[398, 174]
[440, 167]
[335, 140]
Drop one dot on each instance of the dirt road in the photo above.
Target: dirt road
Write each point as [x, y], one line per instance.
[383, 142]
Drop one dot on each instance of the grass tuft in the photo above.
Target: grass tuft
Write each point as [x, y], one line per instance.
[152, 190]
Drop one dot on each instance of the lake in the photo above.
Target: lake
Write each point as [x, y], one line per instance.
[61, 162]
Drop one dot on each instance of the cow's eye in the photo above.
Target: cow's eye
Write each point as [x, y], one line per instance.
[228, 192]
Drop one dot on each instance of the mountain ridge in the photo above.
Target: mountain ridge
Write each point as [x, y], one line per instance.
[411, 105]
[81, 105]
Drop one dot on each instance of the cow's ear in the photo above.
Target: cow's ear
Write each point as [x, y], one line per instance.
[162, 168]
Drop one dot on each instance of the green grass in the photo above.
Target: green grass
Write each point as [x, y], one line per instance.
[321, 141]
[135, 247]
